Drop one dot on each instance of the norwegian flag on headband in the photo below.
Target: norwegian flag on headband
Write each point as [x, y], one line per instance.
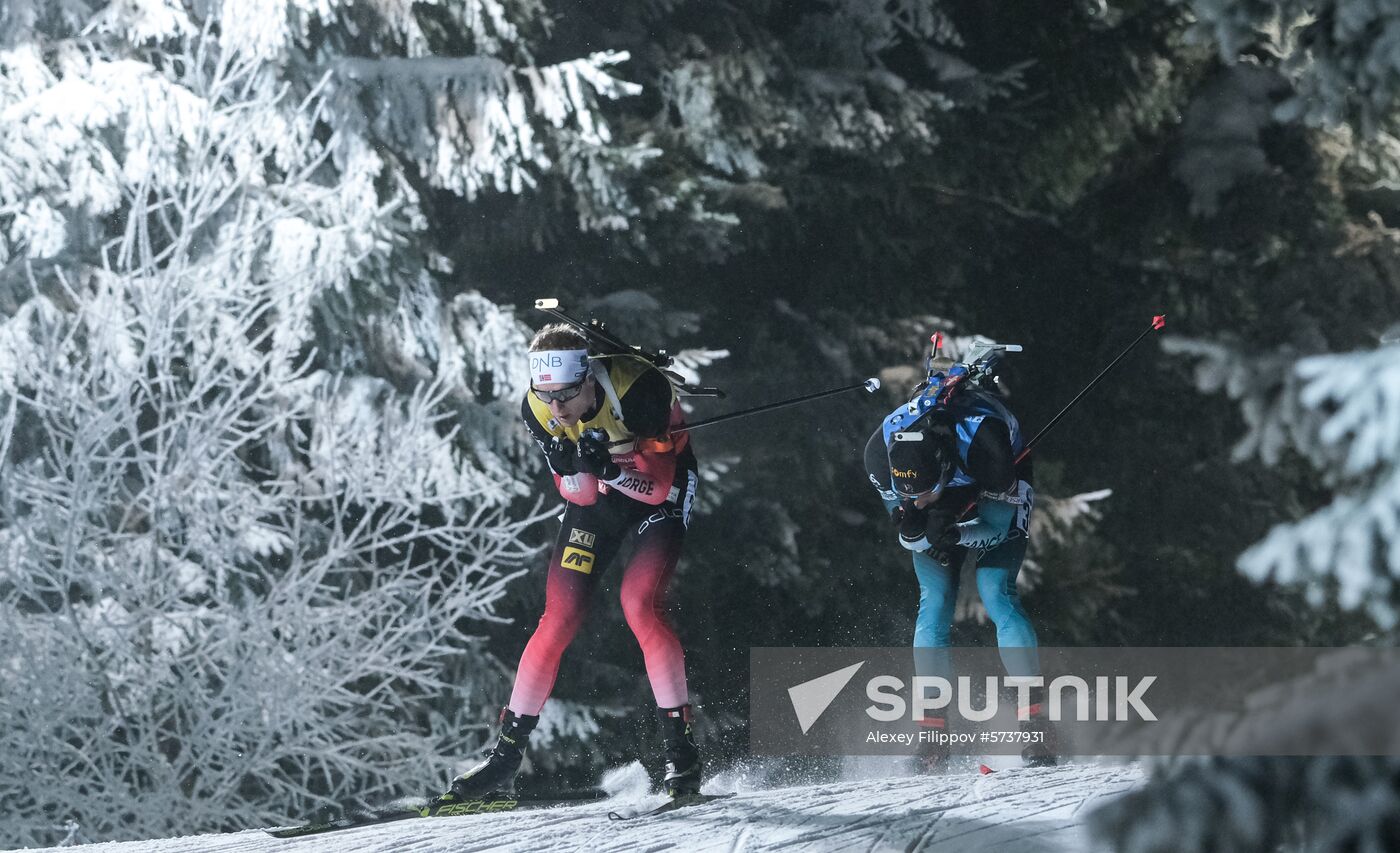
[558, 366]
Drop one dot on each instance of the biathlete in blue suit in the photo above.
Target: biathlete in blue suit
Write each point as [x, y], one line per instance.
[928, 466]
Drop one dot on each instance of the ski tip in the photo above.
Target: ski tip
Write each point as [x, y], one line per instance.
[548, 304]
[985, 770]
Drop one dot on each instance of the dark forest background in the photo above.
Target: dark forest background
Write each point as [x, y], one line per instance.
[264, 288]
[1092, 166]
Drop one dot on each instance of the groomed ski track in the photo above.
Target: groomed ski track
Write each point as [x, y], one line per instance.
[1011, 811]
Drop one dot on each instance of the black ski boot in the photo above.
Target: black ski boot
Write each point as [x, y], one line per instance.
[934, 752]
[1040, 750]
[682, 755]
[495, 775]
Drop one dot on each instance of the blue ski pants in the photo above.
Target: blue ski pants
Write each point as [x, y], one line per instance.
[996, 583]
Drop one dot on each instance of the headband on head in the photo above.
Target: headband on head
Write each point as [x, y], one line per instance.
[558, 365]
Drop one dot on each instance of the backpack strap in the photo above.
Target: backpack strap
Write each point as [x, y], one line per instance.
[600, 374]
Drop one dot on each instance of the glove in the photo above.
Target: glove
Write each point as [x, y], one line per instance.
[946, 541]
[913, 527]
[897, 516]
[562, 456]
[594, 457]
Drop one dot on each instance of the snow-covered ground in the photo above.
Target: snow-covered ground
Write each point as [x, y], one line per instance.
[1009, 811]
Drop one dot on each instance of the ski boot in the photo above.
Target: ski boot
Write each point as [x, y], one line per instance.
[495, 775]
[1039, 752]
[682, 755]
[934, 752]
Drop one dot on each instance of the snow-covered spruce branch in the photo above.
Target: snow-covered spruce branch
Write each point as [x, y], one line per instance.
[1338, 54]
[1267, 391]
[476, 124]
[233, 579]
[1341, 412]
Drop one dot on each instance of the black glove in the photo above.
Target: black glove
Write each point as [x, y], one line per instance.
[562, 456]
[945, 542]
[948, 539]
[913, 526]
[897, 515]
[594, 457]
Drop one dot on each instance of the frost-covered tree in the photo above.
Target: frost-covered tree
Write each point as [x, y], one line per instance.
[1329, 65]
[762, 115]
[1322, 422]
[1339, 54]
[1341, 413]
[408, 111]
[256, 474]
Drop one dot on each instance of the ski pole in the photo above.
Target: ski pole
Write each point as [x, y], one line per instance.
[1158, 322]
[871, 385]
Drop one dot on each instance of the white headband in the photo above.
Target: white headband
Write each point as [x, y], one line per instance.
[558, 365]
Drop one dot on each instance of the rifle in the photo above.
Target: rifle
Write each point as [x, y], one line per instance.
[604, 342]
[1158, 323]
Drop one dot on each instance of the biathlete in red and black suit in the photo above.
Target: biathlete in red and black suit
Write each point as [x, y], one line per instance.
[605, 425]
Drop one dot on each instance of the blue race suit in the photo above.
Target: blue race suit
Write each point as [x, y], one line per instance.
[988, 437]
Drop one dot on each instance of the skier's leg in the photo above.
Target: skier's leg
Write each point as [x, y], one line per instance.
[588, 540]
[996, 583]
[644, 582]
[938, 595]
[644, 603]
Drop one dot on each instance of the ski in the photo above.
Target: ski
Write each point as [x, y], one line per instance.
[407, 810]
[671, 805]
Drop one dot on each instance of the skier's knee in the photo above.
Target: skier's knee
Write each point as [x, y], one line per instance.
[640, 613]
[558, 625]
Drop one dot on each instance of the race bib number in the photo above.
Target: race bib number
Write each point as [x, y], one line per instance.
[1023, 512]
